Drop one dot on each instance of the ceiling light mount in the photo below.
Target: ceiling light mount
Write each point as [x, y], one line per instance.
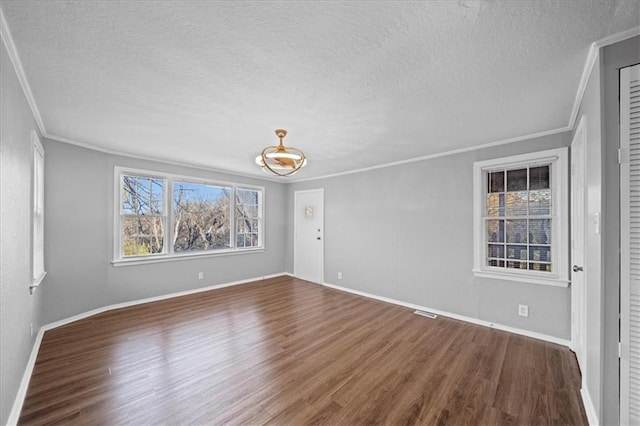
[280, 159]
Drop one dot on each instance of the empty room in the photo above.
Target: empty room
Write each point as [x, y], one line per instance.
[320, 212]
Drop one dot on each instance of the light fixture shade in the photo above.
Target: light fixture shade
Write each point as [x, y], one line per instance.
[281, 160]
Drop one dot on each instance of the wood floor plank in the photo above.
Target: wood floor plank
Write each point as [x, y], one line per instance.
[285, 351]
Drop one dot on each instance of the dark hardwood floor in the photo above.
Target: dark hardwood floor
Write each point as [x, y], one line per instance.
[284, 351]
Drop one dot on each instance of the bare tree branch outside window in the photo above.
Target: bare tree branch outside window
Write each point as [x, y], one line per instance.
[201, 217]
[198, 216]
[142, 215]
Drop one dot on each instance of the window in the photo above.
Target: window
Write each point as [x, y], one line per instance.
[520, 215]
[162, 216]
[201, 215]
[37, 248]
[142, 215]
[248, 203]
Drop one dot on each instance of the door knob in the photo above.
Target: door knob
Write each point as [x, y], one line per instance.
[318, 238]
[577, 268]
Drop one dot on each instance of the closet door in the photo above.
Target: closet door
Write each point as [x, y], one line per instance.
[630, 245]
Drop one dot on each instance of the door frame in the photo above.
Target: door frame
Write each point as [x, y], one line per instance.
[627, 287]
[579, 298]
[295, 229]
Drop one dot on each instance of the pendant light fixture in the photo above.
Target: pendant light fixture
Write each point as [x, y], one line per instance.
[281, 160]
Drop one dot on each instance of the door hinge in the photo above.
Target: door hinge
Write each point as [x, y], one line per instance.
[623, 351]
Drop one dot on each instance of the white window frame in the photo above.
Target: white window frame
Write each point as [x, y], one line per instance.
[559, 275]
[166, 204]
[38, 271]
[260, 214]
[168, 253]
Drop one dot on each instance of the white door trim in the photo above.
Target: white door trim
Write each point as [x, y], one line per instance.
[295, 228]
[629, 277]
[578, 295]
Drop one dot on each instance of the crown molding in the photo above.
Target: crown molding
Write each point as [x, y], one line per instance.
[5, 34]
[592, 58]
[7, 39]
[440, 154]
[280, 180]
[158, 159]
[617, 37]
[9, 44]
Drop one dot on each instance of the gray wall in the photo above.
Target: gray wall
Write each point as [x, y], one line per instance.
[614, 57]
[406, 232]
[79, 237]
[18, 309]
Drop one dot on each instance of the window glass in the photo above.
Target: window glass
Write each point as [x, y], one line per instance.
[38, 271]
[142, 195]
[521, 223]
[174, 215]
[519, 218]
[201, 215]
[248, 218]
[496, 181]
[142, 208]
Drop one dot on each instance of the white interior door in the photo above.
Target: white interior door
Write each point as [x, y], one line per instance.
[308, 252]
[578, 232]
[630, 245]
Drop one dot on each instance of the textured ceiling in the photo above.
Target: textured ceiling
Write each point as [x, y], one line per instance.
[357, 84]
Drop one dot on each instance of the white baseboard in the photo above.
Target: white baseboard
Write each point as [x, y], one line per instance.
[514, 330]
[14, 415]
[589, 408]
[153, 299]
[26, 377]
[24, 384]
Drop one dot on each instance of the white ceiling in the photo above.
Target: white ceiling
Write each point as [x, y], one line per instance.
[356, 83]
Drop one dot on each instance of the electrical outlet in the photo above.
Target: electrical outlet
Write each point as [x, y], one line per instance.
[339, 275]
[31, 329]
[200, 275]
[523, 310]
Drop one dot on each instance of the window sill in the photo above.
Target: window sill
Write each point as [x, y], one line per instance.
[531, 279]
[174, 257]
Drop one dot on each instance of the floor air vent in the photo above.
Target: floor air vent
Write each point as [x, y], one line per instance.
[426, 314]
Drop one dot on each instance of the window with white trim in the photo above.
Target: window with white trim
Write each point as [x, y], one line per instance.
[520, 218]
[161, 216]
[248, 202]
[37, 248]
[142, 217]
[201, 215]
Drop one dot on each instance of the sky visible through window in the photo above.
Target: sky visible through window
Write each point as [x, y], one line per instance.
[145, 195]
[142, 195]
[199, 191]
[201, 216]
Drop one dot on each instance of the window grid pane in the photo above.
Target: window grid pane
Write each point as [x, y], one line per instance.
[518, 218]
[38, 214]
[167, 215]
[142, 218]
[142, 195]
[142, 235]
[201, 217]
[248, 218]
